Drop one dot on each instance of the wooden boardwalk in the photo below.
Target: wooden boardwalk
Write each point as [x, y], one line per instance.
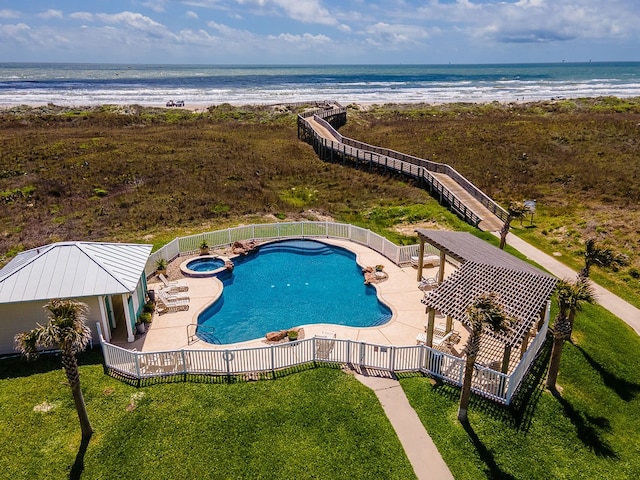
[464, 198]
[489, 221]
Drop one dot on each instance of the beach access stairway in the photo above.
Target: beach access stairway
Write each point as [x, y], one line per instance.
[318, 128]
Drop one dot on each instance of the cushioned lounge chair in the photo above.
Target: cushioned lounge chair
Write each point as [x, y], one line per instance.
[427, 260]
[171, 303]
[174, 285]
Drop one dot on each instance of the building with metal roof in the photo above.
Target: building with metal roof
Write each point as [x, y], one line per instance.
[108, 277]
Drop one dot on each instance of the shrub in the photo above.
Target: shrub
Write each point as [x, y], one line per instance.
[149, 307]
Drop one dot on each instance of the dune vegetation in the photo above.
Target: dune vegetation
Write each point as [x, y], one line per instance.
[143, 174]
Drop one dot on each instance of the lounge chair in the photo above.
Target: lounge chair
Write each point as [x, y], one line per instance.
[174, 285]
[427, 260]
[324, 345]
[171, 303]
[173, 295]
[421, 339]
[427, 283]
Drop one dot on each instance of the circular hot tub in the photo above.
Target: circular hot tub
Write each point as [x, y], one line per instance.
[204, 266]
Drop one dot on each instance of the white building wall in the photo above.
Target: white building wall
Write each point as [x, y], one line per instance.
[23, 316]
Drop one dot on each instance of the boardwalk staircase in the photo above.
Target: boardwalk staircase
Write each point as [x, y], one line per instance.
[318, 127]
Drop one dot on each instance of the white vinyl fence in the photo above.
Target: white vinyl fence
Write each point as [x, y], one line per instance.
[283, 230]
[277, 357]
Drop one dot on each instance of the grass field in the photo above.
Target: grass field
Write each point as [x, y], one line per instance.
[312, 424]
[591, 430]
[324, 424]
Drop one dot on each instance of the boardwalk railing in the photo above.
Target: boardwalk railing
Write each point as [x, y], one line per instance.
[418, 168]
[268, 360]
[281, 230]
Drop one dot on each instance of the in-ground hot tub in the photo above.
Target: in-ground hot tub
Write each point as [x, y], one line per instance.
[204, 266]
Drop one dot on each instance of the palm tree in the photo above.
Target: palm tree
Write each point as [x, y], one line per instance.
[515, 210]
[484, 310]
[67, 331]
[601, 256]
[572, 295]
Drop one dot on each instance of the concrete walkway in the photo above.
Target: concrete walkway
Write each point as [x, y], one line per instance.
[620, 308]
[420, 449]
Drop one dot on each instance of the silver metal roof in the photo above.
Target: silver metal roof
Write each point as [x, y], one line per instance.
[73, 269]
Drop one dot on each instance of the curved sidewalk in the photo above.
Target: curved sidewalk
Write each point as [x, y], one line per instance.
[425, 458]
[620, 308]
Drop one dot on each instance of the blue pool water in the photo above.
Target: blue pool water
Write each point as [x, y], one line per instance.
[289, 283]
[205, 264]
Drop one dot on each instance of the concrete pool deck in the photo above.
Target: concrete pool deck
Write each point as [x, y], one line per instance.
[399, 291]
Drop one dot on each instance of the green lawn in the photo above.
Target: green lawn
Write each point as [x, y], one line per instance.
[324, 424]
[313, 424]
[591, 431]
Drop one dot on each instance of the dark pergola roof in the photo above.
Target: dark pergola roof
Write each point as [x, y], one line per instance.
[465, 247]
[523, 289]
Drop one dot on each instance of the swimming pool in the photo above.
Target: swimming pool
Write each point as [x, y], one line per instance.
[289, 283]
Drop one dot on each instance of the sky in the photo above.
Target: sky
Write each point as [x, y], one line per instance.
[319, 31]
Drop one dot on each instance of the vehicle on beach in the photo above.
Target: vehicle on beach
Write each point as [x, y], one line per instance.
[179, 103]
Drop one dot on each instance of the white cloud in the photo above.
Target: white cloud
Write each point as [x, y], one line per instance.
[227, 31]
[534, 21]
[382, 34]
[16, 33]
[135, 21]
[306, 11]
[83, 16]
[156, 5]
[306, 38]
[361, 30]
[51, 14]
[6, 13]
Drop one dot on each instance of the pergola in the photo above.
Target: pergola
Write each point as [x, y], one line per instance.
[523, 289]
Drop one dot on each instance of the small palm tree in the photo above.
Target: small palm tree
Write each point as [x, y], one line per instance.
[601, 256]
[484, 310]
[515, 210]
[572, 295]
[67, 331]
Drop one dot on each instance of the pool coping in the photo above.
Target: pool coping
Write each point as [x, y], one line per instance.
[399, 292]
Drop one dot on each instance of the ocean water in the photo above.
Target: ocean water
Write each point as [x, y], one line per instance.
[198, 85]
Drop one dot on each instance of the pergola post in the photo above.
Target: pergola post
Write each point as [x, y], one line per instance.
[449, 325]
[505, 359]
[431, 320]
[443, 257]
[420, 259]
[543, 314]
[525, 343]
